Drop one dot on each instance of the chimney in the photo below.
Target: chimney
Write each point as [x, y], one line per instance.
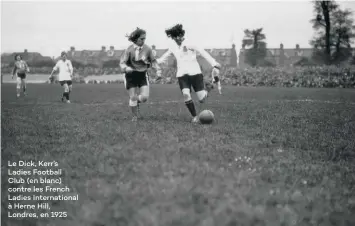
[281, 46]
[25, 51]
[297, 46]
[103, 48]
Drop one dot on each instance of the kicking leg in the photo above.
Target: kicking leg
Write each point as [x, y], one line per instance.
[143, 95]
[199, 87]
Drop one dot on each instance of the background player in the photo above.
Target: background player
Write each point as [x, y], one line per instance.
[216, 79]
[135, 62]
[65, 68]
[188, 69]
[20, 70]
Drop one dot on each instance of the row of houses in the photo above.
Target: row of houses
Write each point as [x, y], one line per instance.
[228, 57]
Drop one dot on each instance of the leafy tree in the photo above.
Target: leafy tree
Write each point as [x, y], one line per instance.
[342, 34]
[334, 32]
[255, 40]
[322, 25]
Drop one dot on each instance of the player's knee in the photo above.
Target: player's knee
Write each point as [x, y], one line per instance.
[66, 88]
[133, 102]
[18, 83]
[144, 98]
[186, 94]
[201, 95]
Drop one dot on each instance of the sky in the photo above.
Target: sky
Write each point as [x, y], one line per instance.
[51, 27]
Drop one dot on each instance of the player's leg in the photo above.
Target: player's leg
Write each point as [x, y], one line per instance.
[18, 86]
[218, 82]
[65, 91]
[185, 87]
[144, 89]
[70, 88]
[197, 83]
[133, 102]
[24, 85]
[131, 87]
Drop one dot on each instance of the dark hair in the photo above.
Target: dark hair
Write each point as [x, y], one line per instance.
[17, 56]
[133, 37]
[63, 53]
[175, 31]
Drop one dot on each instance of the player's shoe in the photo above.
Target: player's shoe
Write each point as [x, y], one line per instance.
[68, 102]
[195, 119]
[18, 95]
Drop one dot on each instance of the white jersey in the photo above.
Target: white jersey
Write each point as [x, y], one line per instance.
[186, 57]
[65, 70]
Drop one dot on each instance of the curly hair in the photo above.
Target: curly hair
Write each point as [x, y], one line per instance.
[17, 56]
[176, 31]
[133, 37]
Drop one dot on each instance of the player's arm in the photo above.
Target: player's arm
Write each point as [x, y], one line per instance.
[216, 66]
[55, 68]
[154, 62]
[27, 68]
[71, 69]
[208, 57]
[123, 61]
[164, 58]
[14, 71]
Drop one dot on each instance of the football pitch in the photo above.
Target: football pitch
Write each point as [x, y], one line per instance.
[274, 156]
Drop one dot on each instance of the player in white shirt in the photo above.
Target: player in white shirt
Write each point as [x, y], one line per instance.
[65, 68]
[188, 69]
[216, 80]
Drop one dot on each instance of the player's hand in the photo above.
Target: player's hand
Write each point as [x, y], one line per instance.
[128, 70]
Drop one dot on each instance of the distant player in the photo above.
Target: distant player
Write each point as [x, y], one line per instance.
[188, 69]
[65, 68]
[135, 62]
[216, 80]
[20, 70]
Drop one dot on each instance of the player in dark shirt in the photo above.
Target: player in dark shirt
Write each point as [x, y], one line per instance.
[135, 62]
[20, 70]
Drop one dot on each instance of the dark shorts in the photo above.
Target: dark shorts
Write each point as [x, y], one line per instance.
[216, 79]
[21, 75]
[136, 79]
[68, 82]
[194, 81]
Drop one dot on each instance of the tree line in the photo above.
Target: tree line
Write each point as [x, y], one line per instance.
[334, 32]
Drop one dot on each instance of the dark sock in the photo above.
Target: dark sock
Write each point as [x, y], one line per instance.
[134, 110]
[191, 106]
[66, 95]
[24, 89]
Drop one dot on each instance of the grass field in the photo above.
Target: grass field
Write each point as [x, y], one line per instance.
[273, 156]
